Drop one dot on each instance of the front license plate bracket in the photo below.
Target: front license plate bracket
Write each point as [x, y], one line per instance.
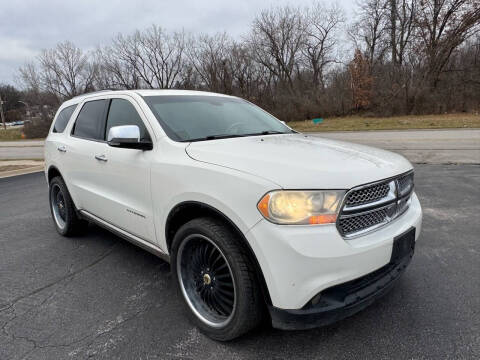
[403, 245]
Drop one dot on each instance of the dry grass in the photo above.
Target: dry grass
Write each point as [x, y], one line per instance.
[13, 167]
[353, 123]
[10, 134]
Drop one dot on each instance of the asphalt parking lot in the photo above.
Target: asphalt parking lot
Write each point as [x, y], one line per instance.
[98, 296]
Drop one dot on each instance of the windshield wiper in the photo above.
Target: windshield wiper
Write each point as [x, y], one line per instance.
[271, 132]
[227, 136]
[267, 132]
[215, 137]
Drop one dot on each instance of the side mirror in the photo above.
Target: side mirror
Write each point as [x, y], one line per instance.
[128, 137]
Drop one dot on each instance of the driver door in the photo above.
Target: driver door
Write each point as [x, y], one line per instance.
[126, 201]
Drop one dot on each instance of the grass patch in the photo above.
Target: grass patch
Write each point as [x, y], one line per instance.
[10, 134]
[13, 167]
[21, 159]
[356, 123]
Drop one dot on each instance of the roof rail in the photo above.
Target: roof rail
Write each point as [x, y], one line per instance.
[92, 92]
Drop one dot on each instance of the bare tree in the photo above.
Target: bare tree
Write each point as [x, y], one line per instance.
[152, 58]
[369, 31]
[321, 39]
[443, 26]
[29, 76]
[402, 28]
[66, 70]
[162, 55]
[114, 71]
[409, 56]
[208, 56]
[250, 79]
[277, 38]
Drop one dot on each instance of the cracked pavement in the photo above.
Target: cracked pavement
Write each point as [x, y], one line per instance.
[97, 296]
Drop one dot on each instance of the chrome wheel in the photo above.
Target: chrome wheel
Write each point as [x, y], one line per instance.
[57, 202]
[206, 280]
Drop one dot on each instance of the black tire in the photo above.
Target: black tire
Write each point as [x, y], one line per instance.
[62, 208]
[247, 309]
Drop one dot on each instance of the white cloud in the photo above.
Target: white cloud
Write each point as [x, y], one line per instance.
[26, 27]
[15, 50]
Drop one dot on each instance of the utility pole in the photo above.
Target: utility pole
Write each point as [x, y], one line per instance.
[1, 113]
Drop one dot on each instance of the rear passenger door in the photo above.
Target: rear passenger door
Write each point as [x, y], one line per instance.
[83, 171]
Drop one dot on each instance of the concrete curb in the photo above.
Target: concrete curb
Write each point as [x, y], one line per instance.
[29, 170]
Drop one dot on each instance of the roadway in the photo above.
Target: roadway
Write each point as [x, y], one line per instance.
[419, 146]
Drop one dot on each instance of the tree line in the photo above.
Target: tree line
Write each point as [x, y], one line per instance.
[394, 57]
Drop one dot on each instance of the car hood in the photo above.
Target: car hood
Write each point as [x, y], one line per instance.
[297, 161]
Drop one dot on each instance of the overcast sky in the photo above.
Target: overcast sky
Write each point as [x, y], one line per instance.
[26, 27]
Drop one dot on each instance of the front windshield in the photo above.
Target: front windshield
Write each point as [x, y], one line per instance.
[203, 117]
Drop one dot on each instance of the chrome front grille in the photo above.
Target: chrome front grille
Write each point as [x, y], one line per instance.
[371, 206]
[367, 195]
[405, 183]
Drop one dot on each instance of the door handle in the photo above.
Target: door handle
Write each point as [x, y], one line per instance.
[62, 149]
[101, 157]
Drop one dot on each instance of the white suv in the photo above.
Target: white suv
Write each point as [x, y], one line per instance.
[251, 215]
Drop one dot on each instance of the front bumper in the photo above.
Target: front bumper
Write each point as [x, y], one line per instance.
[341, 301]
[300, 261]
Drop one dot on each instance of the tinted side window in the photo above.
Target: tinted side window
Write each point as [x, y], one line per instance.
[62, 119]
[91, 120]
[122, 112]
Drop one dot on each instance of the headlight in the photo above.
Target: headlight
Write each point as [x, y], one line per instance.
[301, 207]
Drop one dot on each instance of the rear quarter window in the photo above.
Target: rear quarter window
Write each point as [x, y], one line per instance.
[63, 118]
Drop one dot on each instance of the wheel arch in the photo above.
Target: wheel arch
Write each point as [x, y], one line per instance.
[188, 210]
[53, 172]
